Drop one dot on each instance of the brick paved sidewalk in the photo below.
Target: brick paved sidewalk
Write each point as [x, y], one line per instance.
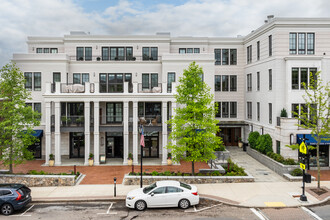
[104, 174]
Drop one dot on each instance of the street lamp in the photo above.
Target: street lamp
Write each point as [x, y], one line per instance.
[114, 190]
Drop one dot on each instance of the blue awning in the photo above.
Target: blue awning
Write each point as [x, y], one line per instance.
[310, 140]
[36, 133]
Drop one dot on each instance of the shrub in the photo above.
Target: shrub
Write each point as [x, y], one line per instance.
[154, 173]
[264, 144]
[284, 113]
[167, 173]
[289, 161]
[215, 173]
[297, 172]
[252, 139]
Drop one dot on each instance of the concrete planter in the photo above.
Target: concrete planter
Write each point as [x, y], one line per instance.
[169, 162]
[129, 162]
[40, 180]
[51, 163]
[277, 167]
[222, 155]
[90, 162]
[147, 180]
[295, 178]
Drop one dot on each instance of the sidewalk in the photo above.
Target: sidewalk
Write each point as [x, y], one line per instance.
[257, 194]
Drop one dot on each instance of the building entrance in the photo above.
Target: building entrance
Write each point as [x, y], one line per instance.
[230, 136]
[77, 145]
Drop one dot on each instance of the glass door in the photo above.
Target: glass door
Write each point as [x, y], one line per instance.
[77, 145]
[151, 148]
[110, 147]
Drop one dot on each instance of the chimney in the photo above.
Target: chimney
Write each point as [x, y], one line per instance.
[270, 17]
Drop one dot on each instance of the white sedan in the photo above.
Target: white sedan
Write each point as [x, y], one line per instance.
[167, 193]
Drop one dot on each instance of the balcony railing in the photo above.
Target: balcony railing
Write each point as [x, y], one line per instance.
[72, 88]
[77, 120]
[115, 59]
[150, 120]
[142, 88]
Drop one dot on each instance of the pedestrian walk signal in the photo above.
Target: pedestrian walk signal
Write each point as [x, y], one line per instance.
[303, 148]
[302, 166]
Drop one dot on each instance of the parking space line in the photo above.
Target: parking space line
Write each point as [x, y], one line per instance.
[311, 213]
[108, 211]
[259, 214]
[203, 209]
[23, 214]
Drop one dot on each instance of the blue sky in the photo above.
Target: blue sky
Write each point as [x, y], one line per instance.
[224, 18]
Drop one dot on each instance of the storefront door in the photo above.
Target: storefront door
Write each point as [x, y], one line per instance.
[151, 149]
[114, 145]
[77, 145]
[230, 136]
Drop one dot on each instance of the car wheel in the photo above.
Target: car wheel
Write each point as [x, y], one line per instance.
[184, 204]
[7, 209]
[140, 205]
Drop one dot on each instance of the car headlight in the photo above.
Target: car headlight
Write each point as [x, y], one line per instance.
[130, 197]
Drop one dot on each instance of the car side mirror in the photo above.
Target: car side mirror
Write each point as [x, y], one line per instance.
[152, 194]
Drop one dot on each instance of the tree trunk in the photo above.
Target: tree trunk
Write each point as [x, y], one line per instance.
[11, 160]
[193, 168]
[318, 164]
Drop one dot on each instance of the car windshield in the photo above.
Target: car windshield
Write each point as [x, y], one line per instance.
[149, 188]
[185, 185]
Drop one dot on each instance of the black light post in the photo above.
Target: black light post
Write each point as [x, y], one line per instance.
[114, 189]
[142, 136]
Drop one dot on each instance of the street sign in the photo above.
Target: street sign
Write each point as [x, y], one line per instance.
[303, 148]
[302, 166]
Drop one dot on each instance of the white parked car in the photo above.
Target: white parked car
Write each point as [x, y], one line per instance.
[167, 193]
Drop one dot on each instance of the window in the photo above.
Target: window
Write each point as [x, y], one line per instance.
[301, 43]
[105, 53]
[189, 50]
[249, 110]
[258, 111]
[150, 110]
[225, 83]
[46, 50]
[270, 112]
[310, 43]
[114, 112]
[258, 50]
[278, 147]
[300, 77]
[33, 81]
[249, 82]
[172, 189]
[37, 108]
[154, 80]
[154, 53]
[80, 53]
[117, 53]
[111, 82]
[270, 79]
[39, 50]
[225, 109]
[293, 43]
[160, 190]
[225, 57]
[270, 45]
[258, 81]
[53, 50]
[233, 83]
[88, 53]
[129, 53]
[76, 78]
[217, 83]
[233, 56]
[145, 53]
[170, 79]
[218, 114]
[233, 109]
[146, 78]
[217, 55]
[80, 78]
[294, 110]
[249, 54]
[56, 77]
[196, 50]
[145, 81]
[313, 71]
[182, 50]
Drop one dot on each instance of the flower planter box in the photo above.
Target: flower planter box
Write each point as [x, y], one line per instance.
[295, 178]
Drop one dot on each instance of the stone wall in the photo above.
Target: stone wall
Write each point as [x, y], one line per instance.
[270, 163]
[39, 180]
[147, 180]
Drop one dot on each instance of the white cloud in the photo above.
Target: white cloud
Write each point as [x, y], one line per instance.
[21, 18]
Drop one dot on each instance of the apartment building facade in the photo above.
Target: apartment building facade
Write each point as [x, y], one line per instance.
[95, 91]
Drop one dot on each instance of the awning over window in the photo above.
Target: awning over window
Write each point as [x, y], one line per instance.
[37, 133]
[310, 140]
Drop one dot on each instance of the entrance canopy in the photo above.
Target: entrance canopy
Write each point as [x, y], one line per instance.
[36, 133]
[310, 140]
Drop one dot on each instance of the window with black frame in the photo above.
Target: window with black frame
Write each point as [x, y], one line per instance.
[114, 112]
[88, 53]
[111, 83]
[80, 53]
[217, 83]
[170, 80]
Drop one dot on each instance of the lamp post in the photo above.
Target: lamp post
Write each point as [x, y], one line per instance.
[114, 189]
[141, 145]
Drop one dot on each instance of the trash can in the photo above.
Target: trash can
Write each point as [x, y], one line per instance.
[245, 146]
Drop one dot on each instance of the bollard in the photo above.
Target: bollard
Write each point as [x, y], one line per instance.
[114, 189]
[74, 170]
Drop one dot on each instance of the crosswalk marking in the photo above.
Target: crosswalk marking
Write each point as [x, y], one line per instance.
[311, 213]
[259, 214]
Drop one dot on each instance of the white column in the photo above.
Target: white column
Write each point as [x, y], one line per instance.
[164, 132]
[126, 132]
[135, 133]
[96, 133]
[48, 132]
[87, 131]
[57, 133]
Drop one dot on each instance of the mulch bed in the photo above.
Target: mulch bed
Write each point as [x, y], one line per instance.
[320, 194]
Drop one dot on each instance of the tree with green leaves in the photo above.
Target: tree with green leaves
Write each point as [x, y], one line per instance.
[17, 119]
[315, 114]
[194, 127]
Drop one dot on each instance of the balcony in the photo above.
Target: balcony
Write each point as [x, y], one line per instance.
[70, 121]
[115, 59]
[149, 89]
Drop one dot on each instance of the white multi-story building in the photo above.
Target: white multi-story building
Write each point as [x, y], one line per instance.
[94, 91]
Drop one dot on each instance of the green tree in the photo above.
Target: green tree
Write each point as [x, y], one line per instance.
[194, 127]
[17, 119]
[315, 116]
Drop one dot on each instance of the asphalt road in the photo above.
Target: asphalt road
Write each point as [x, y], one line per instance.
[206, 210]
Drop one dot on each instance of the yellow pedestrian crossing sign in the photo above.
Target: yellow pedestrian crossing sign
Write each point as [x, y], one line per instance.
[302, 166]
[303, 148]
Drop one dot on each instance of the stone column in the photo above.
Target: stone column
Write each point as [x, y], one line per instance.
[164, 132]
[126, 132]
[48, 132]
[135, 133]
[57, 133]
[87, 130]
[96, 133]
